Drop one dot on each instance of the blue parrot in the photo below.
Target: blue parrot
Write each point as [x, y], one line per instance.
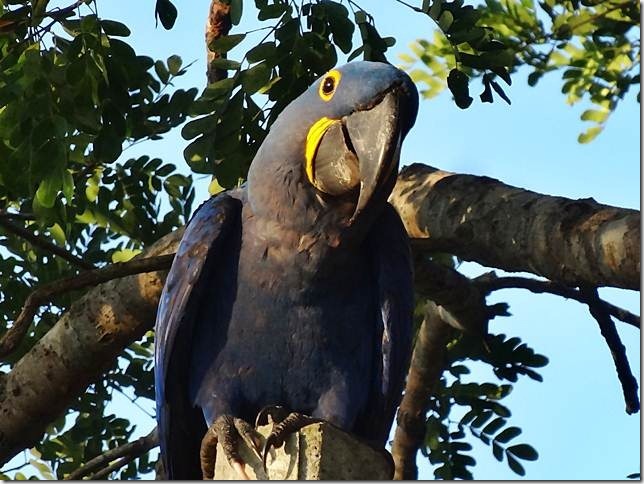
[295, 290]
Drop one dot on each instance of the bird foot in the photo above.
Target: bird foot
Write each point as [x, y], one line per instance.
[284, 423]
[227, 430]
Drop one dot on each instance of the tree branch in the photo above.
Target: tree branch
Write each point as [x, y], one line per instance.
[217, 25]
[44, 244]
[11, 339]
[16, 216]
[122, 456]
[617, 350]
[461, 304]
[427, 365]
[76, 351]
[480, 219]
[490, 282]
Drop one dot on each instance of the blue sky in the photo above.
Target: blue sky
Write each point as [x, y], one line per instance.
[576, 418]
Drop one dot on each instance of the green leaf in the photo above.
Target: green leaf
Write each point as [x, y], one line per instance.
[499, 90]
[493, 426]
[68, 185]
[166, 12]
[261, 51]
[199, 126]
[537, 361]
[458, 83]
[162, 71]
[236, 10]
[497, 451]
[48, 189]
[590, 134]
[219, 89]
[107, 145]
[174, 64]
[116, 29]
[225, 64]
[355, 53]
[195, 155]
[92, 188]
[524, 451]
[435, 9]
[226, 42]
[272, 11]
[255, 78]
[481, 418]
[57, 232]
[514, 464]
[595, 115]
[445, 21]
[508, 434]
[534, 77]
[124, 255]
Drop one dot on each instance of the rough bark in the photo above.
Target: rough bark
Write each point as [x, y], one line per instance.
[574, 242]
[217, 24]
[427, 365]
[476, 218]
[75, 352]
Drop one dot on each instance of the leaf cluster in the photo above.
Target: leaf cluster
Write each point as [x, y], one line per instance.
[461, 409]
[74, 95]
[593, 44]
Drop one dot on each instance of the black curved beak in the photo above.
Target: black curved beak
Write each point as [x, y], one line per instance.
[375, 135]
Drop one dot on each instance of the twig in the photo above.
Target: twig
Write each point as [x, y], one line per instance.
[490, 282]
[119, 456]
[14, 335]
[16, 216]
[427, 365]
[617, 349]
[44, 244]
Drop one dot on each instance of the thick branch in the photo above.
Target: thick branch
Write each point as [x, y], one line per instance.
[427, 365]
[44, 244]
[11, 339]
[100, 465]
[76, 352]
[573, 242]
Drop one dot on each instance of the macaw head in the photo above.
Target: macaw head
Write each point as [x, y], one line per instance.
[333, 153]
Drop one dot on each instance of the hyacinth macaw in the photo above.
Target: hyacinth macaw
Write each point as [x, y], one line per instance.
[294, 291]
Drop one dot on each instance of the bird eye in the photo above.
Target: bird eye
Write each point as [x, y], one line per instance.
[329, 84]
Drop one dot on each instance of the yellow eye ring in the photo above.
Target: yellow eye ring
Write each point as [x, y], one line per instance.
[329, 85]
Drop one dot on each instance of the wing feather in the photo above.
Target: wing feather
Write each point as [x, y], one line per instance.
[180, 424]
[393, 268]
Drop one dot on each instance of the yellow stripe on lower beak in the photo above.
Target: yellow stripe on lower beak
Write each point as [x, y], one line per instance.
[312, 142]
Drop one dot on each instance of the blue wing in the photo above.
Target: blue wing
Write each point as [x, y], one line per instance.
[392, 265]
[180, 424]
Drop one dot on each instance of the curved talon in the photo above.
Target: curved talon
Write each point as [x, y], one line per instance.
[290, 424]
[226, 430]
[277, 413]
[271, 441]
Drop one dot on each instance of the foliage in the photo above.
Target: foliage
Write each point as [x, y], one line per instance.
[594, 44]
[74, 95]
[301, 45]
